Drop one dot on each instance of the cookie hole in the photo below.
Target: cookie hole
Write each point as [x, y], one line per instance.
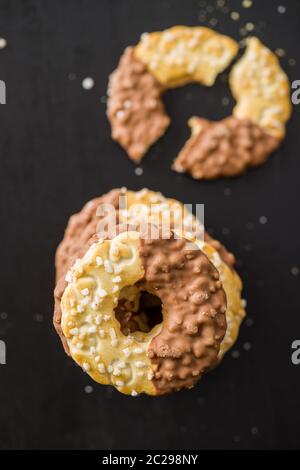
[141, 312]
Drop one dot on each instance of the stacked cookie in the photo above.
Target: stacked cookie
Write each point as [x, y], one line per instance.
[141, 305]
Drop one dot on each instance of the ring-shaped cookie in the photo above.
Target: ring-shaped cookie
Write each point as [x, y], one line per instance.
[181, 55]
[174, 354]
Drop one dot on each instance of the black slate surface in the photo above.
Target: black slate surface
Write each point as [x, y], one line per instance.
[56, 153]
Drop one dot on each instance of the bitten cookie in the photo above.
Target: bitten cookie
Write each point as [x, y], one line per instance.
[181, 55]
[255, 130]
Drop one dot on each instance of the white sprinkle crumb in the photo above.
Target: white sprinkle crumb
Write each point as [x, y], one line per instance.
[227, 191]
[127, 352]
[115, 289]
[116, 372]
[110, 369]
[101, 333]
[295, 271]
[150, 375]
[74, 331]
[88, 83]
[244, 303]
[119, 383]
[118, 269]
[86, 366]
[120, 114]
[139, 364]
[263, 220]
[92, 329]
[85, 291]
[3, 43]
[72, 303]
[235, 15]
[70, 323]
[98, 319]
[128, 340]
[247, 3]
[80, 309]
[281, 9]
[127, 104]
[235, 354]
[140, 373]
[92, 349]
[138, 171]
[108, 266]
[99, 261]
[97, 358]
[121, 364]
[213, 21]
[138, 350]
[134, 393]
[101, 368]
[112, 333]
[117, 279]
[106, 317]
[102, 293]
[280, 52]
[85, 301]
[249, 27]
[69, 277]
[88, 389]
[114, 343]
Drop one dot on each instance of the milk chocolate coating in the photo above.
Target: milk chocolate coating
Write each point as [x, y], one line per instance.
[134, 107]
[188, 285]
[225, 148]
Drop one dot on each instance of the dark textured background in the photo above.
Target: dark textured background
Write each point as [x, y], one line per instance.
[56, 153]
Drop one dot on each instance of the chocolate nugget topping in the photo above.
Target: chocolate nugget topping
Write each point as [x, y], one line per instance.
[194, 307]
[134, 107]
[224, 148]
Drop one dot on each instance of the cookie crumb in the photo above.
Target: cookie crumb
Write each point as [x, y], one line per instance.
[235, 16]
[138, 171]
[3, 43]
[280, 52]
[263, 220]
[88, 83]
[281, 9]
[249, 26]
[295, 270]
[235, 354]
